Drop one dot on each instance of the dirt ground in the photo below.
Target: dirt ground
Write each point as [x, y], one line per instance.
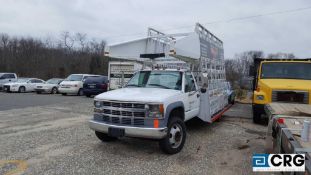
[55, 139]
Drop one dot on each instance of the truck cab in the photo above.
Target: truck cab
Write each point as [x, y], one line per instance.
[277, 80]
[153, 104]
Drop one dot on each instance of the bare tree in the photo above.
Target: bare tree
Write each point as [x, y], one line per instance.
[67, 40]
[81, 38]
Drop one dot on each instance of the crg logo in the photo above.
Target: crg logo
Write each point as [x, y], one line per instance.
[279, 162]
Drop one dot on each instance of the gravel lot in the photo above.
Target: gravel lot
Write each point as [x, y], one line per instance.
[48, 134]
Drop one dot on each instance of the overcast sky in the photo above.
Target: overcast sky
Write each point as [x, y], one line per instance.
[113, 20]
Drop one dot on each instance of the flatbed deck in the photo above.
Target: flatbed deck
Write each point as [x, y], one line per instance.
[285, 135]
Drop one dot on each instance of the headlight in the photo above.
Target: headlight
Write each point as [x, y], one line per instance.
[97, 104]
[155, 110]
[260, 97]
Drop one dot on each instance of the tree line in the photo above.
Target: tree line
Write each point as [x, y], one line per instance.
[71, 53]
[76, 53]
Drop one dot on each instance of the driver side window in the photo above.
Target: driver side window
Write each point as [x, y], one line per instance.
[189, 83]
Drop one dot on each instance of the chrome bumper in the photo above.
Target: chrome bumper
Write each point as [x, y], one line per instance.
[130, 131]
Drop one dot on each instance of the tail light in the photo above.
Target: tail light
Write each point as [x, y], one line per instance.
[280, 120]
[103, 86]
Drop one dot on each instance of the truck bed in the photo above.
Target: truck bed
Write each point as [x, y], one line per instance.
[286, 137]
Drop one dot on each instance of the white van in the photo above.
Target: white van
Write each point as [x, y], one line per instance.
[73, 84]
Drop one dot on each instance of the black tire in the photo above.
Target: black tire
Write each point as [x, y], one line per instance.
[54, 90]
[104, 137]
[256, 115]
[21, 89]
[38, 92]
[80, 92]
[64, 94]
[168, 146]
[88, 95]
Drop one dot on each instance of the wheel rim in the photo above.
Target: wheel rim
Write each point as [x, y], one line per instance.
[175, 135]
[22, 89]
[80, 92]
[54, 91]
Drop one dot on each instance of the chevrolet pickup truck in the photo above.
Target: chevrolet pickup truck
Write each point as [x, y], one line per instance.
[158, 100]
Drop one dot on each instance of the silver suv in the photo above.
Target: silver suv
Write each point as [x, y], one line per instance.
[7, 78]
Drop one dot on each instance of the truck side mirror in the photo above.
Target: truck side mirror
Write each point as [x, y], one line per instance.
[203, 90]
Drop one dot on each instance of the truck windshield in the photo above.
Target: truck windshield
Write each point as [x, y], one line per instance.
[286, 71]
[158, 79]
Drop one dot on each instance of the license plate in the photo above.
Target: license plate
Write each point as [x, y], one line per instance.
[92, 86]
[116, 132]
[5, 88]
[39, 86]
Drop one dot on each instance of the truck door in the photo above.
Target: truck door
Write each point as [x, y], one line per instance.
[193, 103]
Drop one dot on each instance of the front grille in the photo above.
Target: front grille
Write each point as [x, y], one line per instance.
[123, 113]
[288, 96]
[120, 120]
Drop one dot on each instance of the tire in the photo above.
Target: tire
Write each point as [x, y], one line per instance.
[175, 138]
[54, 90]
[104, 137]
[21, 89]
[88, 95]
[64, 94]
[256, 115]
[38, 92]
[80, 92]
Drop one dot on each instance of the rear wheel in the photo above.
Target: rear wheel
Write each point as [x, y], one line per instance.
[80, 92]
[54, 90]
[21, 89]
[104, 137]
[176, 136]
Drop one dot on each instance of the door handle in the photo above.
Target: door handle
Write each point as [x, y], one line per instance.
[198, 95]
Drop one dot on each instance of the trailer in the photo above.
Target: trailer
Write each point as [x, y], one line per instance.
[284, 130]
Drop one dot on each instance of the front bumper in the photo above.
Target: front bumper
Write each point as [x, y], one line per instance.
[43, 90]
[130, 131]
[71, 90]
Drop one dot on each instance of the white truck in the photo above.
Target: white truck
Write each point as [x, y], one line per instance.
[157, 102]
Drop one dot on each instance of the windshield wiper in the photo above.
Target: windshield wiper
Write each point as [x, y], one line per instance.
[135, 85]
[159, 85]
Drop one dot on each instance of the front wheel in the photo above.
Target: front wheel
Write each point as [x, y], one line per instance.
[104, 137]
[175, 138]
[21, 89]
[54, 90]
[257, 114]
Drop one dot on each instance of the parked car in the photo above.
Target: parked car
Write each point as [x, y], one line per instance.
[7, 78]
[73, 84]
[22, 85]
[50, 86]
[95, 85]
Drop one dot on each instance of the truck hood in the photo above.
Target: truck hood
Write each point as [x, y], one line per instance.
[285, 84]
[138, 94]
[70, 82]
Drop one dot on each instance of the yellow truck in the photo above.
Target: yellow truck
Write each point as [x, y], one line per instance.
[280, 80]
